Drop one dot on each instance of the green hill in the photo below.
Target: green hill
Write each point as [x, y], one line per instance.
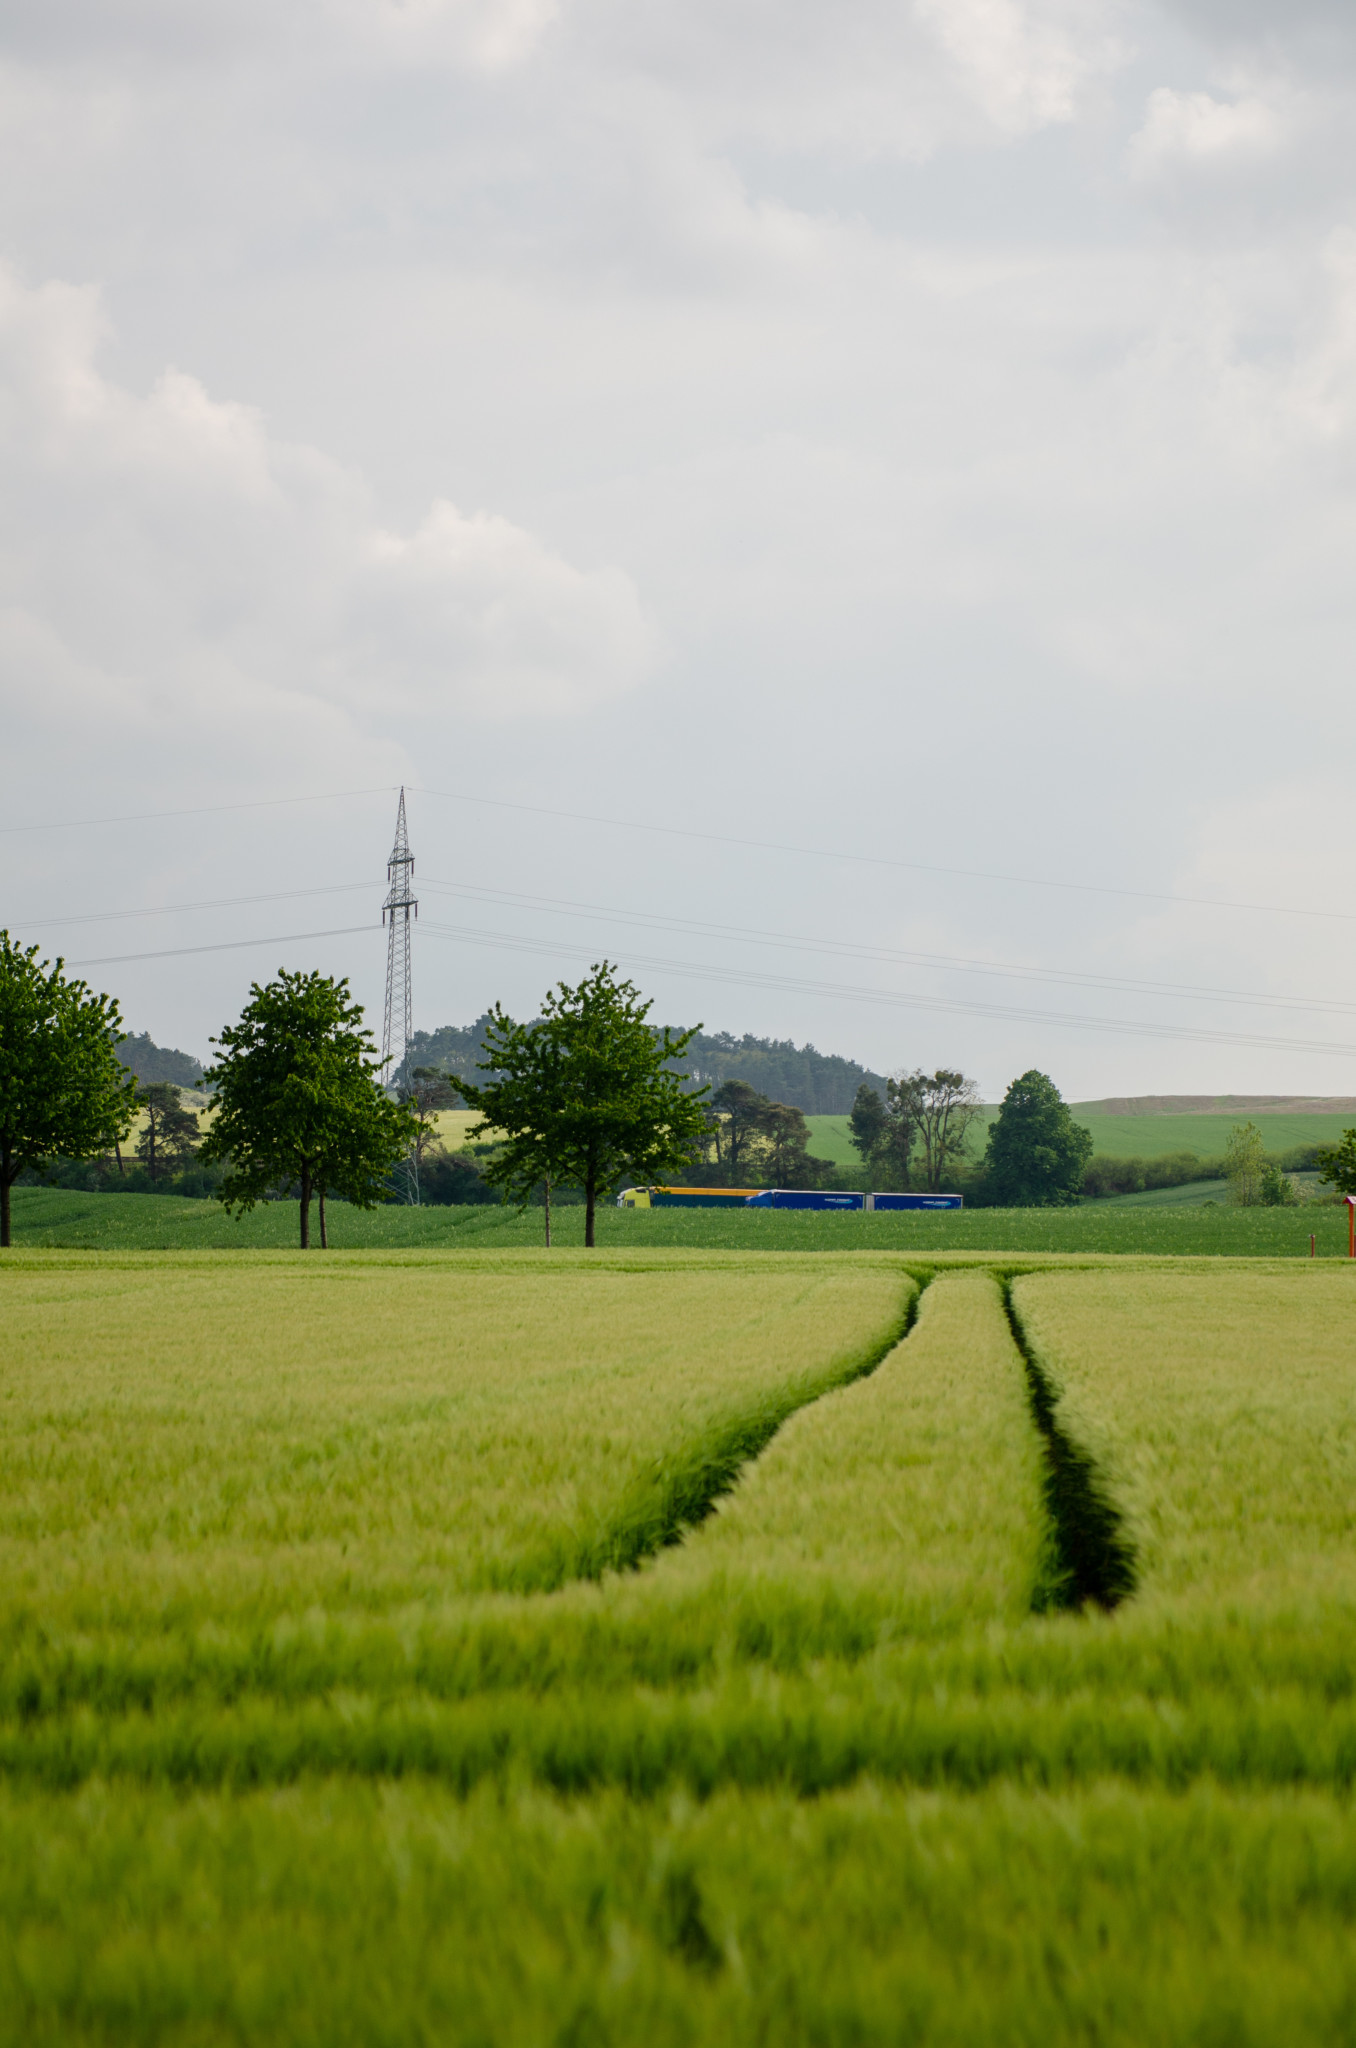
[1140, 1135]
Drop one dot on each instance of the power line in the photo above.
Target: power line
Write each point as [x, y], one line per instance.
[830, 948]
[709, 838]
[949, 963]
[699, 970]
[844, 992]
[267, 803]
[919, 867]
[204, 903]
[226, 946]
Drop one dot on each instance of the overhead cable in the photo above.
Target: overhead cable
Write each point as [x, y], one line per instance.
[701, 970]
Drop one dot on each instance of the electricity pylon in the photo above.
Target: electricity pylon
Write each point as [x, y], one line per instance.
[396, 912]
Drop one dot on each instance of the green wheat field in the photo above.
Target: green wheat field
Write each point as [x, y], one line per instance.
[676, 1644]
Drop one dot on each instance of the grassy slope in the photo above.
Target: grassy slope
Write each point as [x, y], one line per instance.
[57, 1218]
[1033, 1829]
[1128, 1137]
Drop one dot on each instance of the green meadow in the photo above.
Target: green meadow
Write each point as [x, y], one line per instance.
[57, 1219]
[676, 1643]
[1133, 1137]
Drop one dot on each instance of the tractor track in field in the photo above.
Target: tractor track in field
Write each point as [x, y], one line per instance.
[1096, 1560]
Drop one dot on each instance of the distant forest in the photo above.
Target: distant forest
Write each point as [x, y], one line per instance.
[152, 1062]
[819, 1083]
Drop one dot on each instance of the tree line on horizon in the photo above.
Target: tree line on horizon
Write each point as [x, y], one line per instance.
[798, 1076]
[583, 1098]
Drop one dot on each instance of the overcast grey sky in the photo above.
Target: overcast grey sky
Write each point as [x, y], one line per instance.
[922, 431]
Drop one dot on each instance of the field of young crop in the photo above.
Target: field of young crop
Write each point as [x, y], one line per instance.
[59, 1219]
[1133, 1137]
[979, 1667]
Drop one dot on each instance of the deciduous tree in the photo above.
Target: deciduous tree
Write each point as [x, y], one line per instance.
[428, 1092]
[1337, 1163]
[787, 1135]
[1036, 1152]
[63, 1093]
[298, 1100]
[1245, 1164]
[894, 1153]
[740, 1114]
[866, 1122]
[946, 1105]
[169, 1134]
[583, 1094]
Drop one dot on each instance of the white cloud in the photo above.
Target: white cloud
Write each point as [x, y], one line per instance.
[1193, 128]
[164, 558]
[480, 599]
[872, 78]
[838, 331]
[1027, 66]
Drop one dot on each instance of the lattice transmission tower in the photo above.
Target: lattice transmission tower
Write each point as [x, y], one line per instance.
[396, 912]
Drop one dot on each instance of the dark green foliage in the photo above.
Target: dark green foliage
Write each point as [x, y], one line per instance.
[62, 1091]
[455, 1050]
[760, 1143]
[866, 1122]
[820, 1084]
[892, 1161]
[738, 1121]
[1103, 1176]
[1037, 1154]
[426, 1092]
[1337, 1163]
[789, 1164]
[586, 1094]
[933, 1112]
[298, 1100]
[453, 1177]
[151, 1062]
[168, 1138]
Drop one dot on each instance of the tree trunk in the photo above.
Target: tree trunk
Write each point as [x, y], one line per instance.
[324, 1241]
[590, 1197]
[6, 1183]
[548, 1212]
[117, 1149]
[306, 1208]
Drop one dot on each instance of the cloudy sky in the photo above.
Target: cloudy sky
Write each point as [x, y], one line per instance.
[848, 509]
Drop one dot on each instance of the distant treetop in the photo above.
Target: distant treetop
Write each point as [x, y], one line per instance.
[151, 1062]
[819, 1084]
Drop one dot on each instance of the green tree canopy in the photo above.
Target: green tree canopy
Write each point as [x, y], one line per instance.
[789, 1163]
[1337, 1164]
[298, 1099]
[582, 1095]
[63, 1093]
[1036, 1152]
[946, 1104]
[739, 1121]
[1245, 1164]
[866, 1122]
[169, 1135]
[894, 1149]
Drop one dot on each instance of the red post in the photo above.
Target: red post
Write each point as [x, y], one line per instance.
[1313, 1254]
